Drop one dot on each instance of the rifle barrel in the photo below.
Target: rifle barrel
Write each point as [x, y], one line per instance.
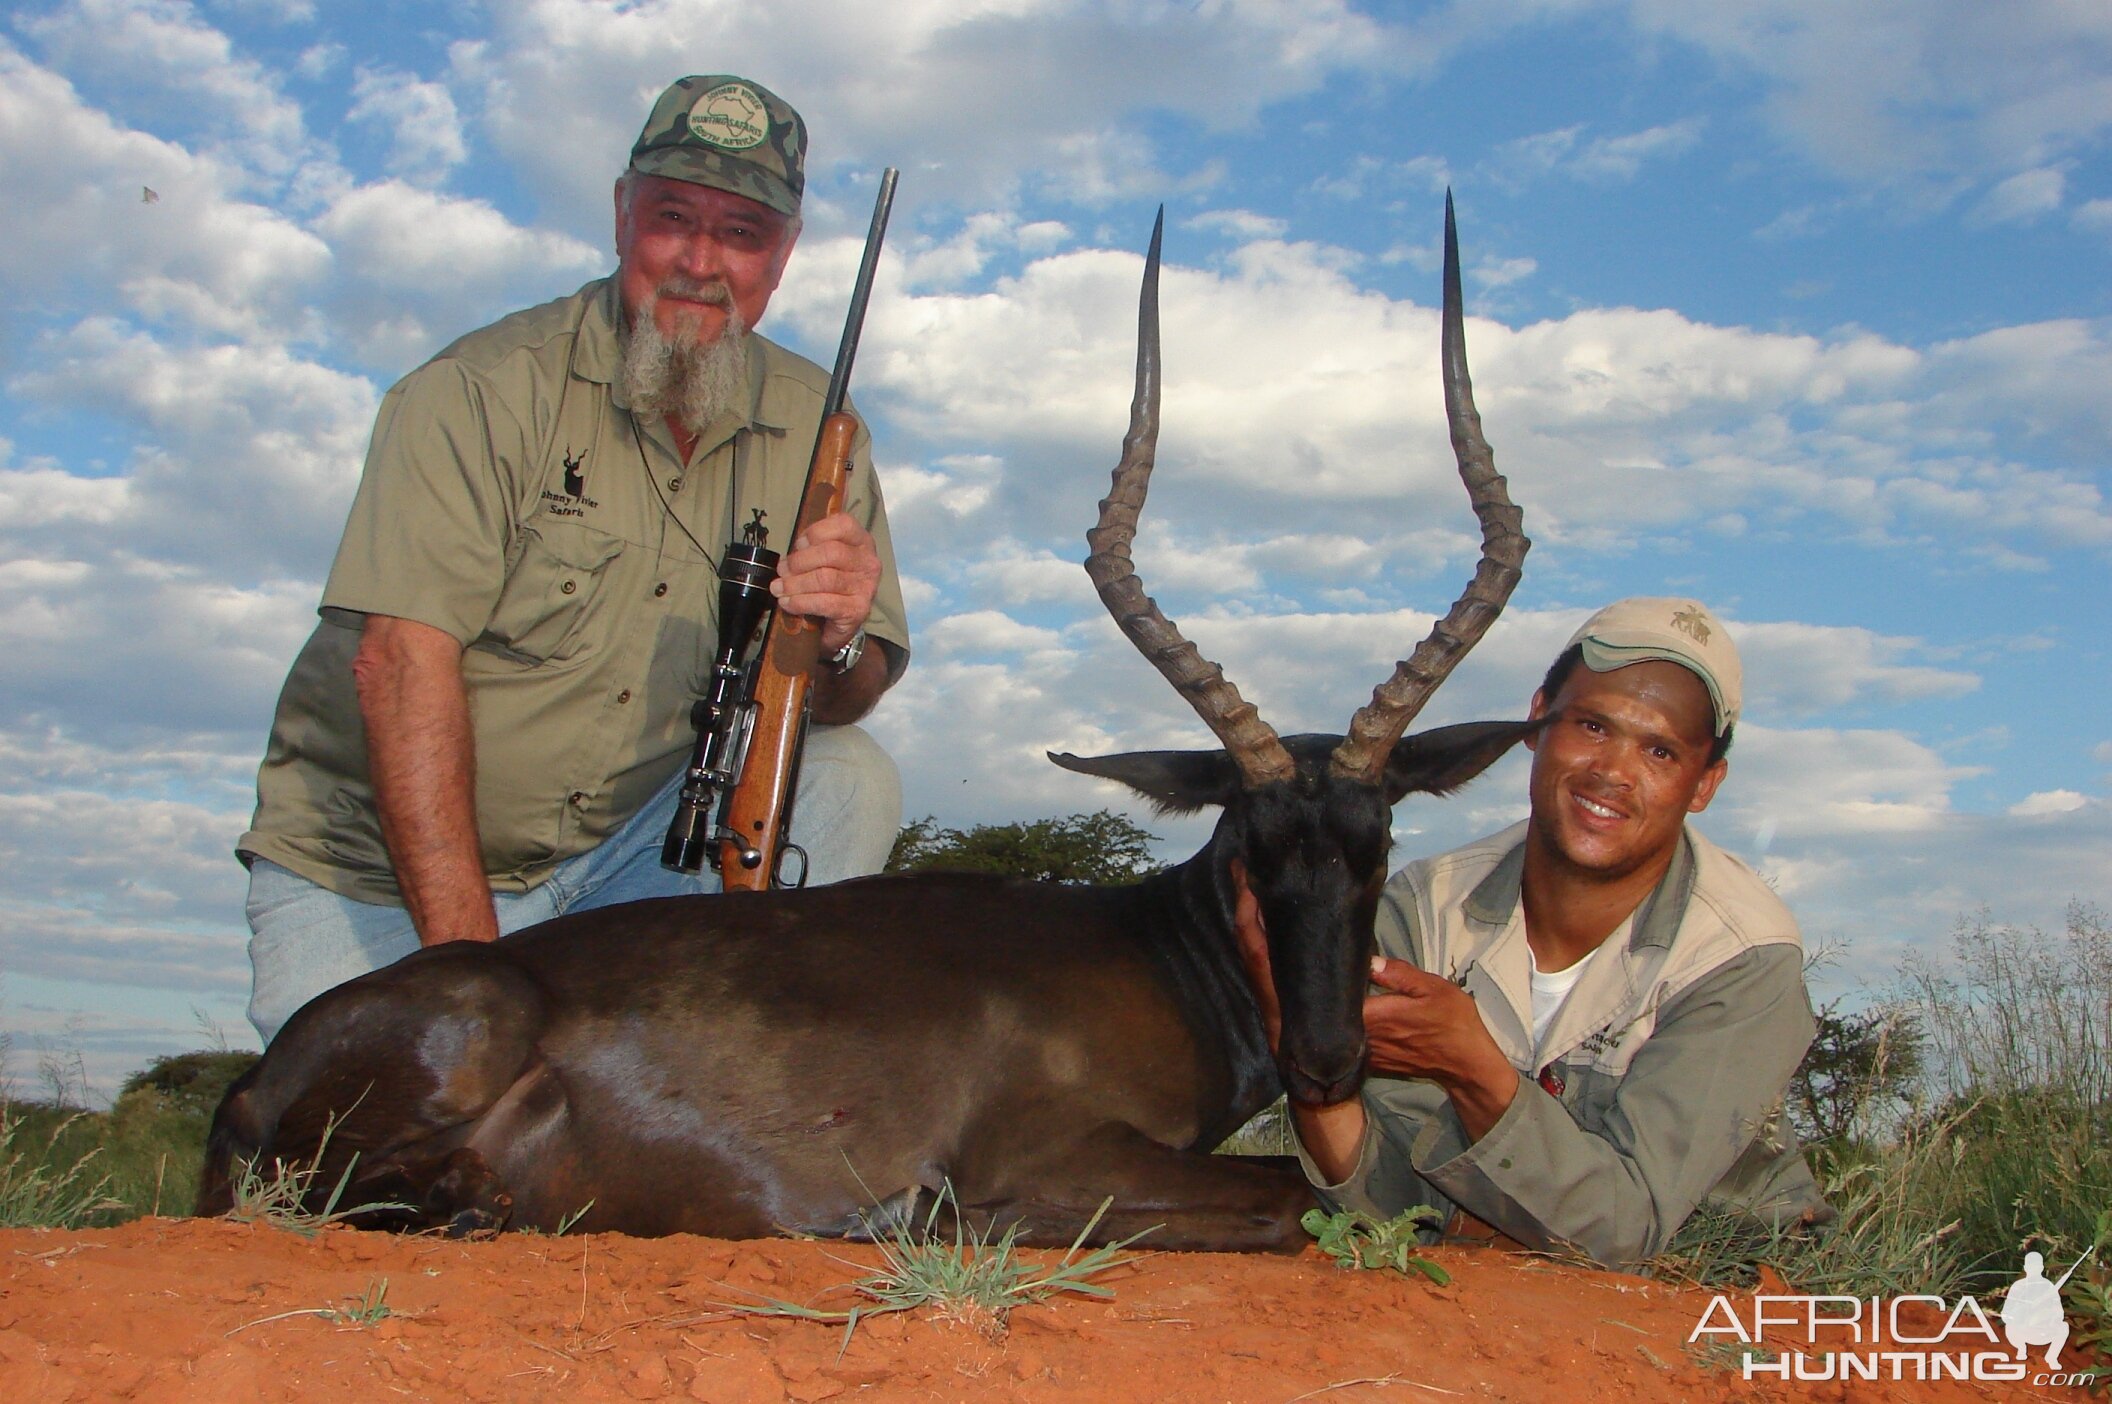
[2073, 1266]
[861, 293]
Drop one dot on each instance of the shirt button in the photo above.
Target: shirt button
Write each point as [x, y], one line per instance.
[579, 799]
[674, 485]
[624, 696]
[660, 589]
[568, 587]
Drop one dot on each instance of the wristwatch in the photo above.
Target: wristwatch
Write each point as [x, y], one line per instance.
[846, 658]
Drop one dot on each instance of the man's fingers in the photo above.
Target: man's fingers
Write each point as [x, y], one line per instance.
[830, 575]
[838, 526]
[1398, 976]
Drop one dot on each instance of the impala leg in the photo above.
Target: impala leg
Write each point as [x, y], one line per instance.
[455, 1190]
[1180, 1200]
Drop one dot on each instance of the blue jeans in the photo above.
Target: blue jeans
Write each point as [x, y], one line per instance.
[305, 939]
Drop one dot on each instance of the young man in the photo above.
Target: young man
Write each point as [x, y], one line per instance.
[1586, 1023]
[489, 726]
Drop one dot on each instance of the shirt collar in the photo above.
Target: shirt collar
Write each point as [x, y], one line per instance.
[1655, 922]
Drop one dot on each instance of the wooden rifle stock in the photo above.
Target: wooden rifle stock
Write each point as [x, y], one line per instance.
[758, 809]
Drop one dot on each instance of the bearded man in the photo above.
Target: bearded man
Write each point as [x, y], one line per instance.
[490, 724]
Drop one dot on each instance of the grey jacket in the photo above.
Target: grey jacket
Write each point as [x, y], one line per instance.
[1659, 1084]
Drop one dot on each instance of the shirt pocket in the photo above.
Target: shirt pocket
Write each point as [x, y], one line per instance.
[556, 587]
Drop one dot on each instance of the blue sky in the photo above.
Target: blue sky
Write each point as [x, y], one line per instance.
[1798, 307]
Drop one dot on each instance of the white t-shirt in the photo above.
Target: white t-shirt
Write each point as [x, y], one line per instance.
[1549, 990]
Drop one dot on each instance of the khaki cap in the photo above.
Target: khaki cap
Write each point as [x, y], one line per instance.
[1674, 631]
[728, 133]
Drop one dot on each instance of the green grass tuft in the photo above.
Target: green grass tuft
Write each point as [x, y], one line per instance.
[969, 1277]
[42, 1186]
[282, 1196]
[368, 1310]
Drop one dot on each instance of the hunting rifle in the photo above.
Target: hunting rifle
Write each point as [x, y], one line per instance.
[752, 724]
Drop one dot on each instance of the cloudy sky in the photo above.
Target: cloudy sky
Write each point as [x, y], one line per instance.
[1799, 307]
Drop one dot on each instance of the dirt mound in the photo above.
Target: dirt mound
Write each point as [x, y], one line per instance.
[168, 1309]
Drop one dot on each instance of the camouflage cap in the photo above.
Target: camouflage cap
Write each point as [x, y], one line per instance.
[729, 134]
[1674, 631]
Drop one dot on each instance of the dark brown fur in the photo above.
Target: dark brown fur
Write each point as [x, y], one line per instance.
[802, 1062]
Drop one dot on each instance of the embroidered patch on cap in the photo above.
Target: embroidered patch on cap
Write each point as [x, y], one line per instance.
[1693, 623]
[731, 117]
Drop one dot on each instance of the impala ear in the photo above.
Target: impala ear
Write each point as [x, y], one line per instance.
[1176, 782]
[1440, 761]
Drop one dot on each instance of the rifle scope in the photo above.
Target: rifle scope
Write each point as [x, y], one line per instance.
[723, 718]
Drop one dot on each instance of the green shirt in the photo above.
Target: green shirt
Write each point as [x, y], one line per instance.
[511, 500]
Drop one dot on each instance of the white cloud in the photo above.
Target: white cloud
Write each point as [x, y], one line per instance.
[425, 132]
[1931, 94]
[318, 59]
[2023, 198]
[1280, 368]
[75, 225]
[2046, 802]
[927, 262]
[1238, 224]
[991, 97]
[1011, 574]
[113, 650]
[1822, 782]
[1797, 669]
[399, 236]
[250, 454]
[157, 61]
[1495, 273]
[1621, 158]
[1600, 160]
[984, 632]
[287, 12]
[1366, 174]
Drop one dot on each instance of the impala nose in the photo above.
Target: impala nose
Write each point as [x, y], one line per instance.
[1316, 1081]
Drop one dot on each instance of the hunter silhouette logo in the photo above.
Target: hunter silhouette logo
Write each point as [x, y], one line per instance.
[2031, 1310]
[575, 481]
[1693, 623]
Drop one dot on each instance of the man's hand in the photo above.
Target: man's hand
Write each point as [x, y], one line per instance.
[1420, 1026]
[830, 573]
[1254, 953]
[1426, 1026]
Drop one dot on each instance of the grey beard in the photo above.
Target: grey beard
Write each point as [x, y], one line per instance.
[693, 383]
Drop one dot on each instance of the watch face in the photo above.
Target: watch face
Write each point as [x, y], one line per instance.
[846, 658]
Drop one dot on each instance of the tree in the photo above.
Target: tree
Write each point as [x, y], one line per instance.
[192, 1082]
[1856, 1063]
[1103, 847]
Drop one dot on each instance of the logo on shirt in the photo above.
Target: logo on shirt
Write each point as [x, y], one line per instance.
[573, 501]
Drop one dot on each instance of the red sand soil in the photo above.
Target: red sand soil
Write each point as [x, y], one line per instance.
[173, 1309]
